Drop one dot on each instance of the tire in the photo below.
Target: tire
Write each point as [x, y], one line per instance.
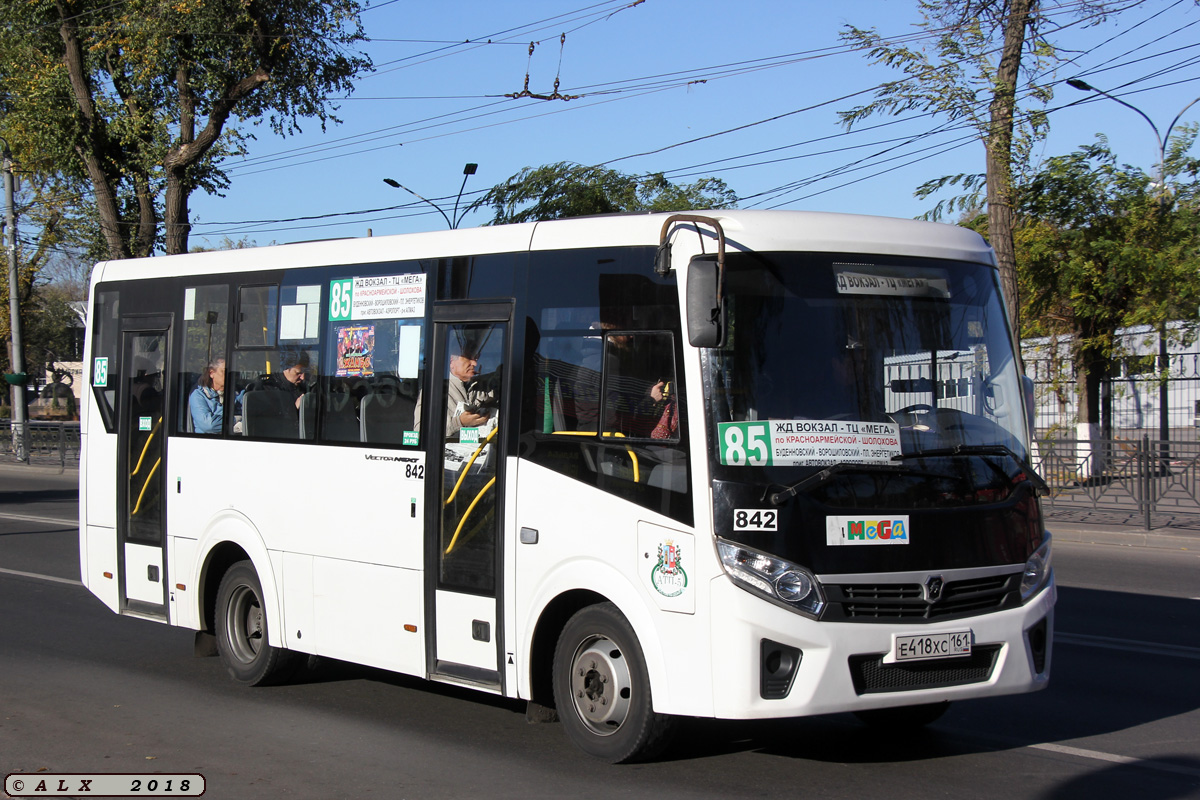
[904, 718]
[602, 689]
[242, 630]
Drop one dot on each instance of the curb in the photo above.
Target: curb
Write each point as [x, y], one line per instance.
[38, 468]
[1131, 537]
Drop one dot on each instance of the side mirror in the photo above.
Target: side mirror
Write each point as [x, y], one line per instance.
[705, 317]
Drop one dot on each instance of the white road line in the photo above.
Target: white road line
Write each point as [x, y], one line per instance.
[70, 523]
[51, 578]
[1128, 645]
[1095, 755]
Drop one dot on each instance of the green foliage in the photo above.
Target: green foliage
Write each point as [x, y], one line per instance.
[557, 191]
[958, 77]
[1104, 246]
[137, 101]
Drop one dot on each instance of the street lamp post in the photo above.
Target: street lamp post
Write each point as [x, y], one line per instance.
[1164, 423]
[453, 220]
[17, 379]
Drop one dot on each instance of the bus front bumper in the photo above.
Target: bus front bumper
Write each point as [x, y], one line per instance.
[850, 666]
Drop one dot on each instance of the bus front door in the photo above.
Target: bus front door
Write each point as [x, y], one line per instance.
[465, 492]
[142, 463]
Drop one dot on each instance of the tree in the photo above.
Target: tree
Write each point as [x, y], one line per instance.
[972, 75]
[1104, 247]
[557, 191]
[140, 99]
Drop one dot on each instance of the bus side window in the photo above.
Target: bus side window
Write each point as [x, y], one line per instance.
[372, 392]
[106, 368]
[201, 375]
[271, 387]
[631, 388]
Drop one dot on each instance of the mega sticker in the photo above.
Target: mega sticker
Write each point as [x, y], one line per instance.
[865, 531]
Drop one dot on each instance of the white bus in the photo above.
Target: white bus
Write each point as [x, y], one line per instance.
[626, 469]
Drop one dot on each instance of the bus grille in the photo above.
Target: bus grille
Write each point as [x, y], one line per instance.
[888, 602]
[872, 676]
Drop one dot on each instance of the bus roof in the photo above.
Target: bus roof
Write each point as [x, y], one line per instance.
[744, 231]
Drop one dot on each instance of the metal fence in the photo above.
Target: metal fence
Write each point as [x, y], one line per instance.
[46, 443]
[1140, 390]
[1143, 481]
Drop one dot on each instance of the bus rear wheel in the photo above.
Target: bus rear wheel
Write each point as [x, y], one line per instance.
[602, 689]
[242, 630]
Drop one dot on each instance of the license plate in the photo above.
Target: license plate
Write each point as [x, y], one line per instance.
[925, 646]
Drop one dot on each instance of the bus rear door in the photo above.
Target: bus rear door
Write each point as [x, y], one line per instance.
[141, 466]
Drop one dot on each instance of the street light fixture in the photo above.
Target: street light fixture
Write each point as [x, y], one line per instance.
[1161, 140]
[453, 220]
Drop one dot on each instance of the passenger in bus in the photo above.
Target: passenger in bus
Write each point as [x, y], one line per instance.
[470, 403]
[206, 403]
[290, 378]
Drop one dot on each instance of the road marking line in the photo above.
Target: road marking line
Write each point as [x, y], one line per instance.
[67, 581]
[72, 523]
[1096, 755]
[1128, 645]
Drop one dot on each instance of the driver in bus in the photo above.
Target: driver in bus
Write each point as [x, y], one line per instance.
[470, 403]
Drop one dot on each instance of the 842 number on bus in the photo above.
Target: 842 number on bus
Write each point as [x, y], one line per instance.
[755, 519]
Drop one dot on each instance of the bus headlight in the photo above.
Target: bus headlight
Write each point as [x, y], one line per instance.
[779, 581]
[1037, 571]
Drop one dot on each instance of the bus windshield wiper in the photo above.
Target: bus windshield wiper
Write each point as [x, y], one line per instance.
[1043, 488]
[826, 474]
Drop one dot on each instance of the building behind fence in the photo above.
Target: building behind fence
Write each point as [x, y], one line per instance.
[1131, 396]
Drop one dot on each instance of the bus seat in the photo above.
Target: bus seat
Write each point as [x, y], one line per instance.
[270, 414]
[384, 417]
[339, 423]
[308, 416]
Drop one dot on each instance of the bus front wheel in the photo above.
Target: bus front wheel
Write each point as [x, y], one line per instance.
[602, 689]
[242, 629]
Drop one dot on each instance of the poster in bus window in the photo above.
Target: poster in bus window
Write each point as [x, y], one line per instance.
[355, 351]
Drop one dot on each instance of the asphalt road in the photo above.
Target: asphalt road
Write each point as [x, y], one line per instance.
[83, 690]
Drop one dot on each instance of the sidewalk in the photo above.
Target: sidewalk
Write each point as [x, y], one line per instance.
[1172, 531]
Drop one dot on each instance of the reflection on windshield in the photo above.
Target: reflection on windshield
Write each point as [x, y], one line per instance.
[833, 359]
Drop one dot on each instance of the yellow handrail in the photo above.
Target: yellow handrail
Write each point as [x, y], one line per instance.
[632, 455]
[467, 513]
[146, 447]
[145, 486]
[466, 467]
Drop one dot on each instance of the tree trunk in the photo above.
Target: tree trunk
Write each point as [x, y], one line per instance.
[999, 158]
[175, 212]
[1091, 364]
[94, 150]
[191, 147]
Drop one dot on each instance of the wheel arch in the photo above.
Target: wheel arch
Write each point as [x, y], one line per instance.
[228, 539]
[545, 637]
[597, 583]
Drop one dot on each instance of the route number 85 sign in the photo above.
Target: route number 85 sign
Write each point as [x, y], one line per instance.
[745, 443]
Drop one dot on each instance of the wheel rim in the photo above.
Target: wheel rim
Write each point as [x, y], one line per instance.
[601, 685]
[244, 624]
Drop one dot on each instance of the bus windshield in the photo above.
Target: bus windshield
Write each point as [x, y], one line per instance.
[861, 360]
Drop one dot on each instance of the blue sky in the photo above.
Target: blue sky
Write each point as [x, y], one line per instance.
[746, 92]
